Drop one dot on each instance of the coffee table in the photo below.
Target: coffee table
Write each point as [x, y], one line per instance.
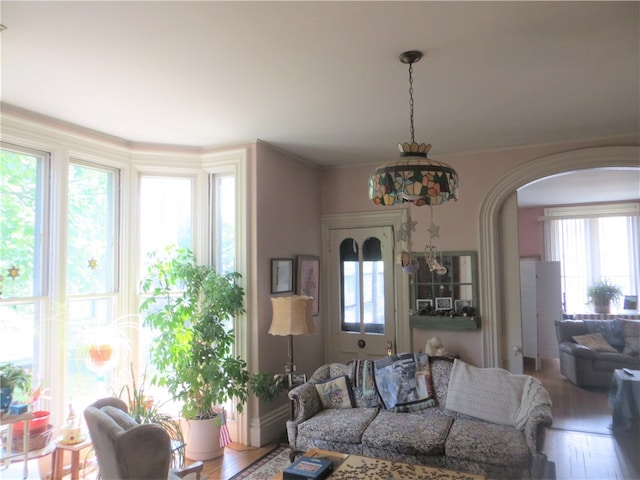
[350, 467]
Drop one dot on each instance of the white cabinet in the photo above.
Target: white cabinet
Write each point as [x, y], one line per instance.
[541, 303]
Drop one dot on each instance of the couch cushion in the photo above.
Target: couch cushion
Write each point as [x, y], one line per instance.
[336, 392]
[595, 341]
[407, 433]
[339, 425]
[631, 336]
[611, 330]
[485, 442]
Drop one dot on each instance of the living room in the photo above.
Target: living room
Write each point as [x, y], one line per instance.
[297, 180]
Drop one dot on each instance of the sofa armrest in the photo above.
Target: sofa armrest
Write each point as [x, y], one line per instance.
[144, 451]
[577, 350]
[306, 400]
[535, 432]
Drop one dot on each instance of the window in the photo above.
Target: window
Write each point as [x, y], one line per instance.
[362, 286]
[591, 243]
[23, 210]
[92, 260]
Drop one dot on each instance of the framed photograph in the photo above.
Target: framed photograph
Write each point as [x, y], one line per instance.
[281, 275]
[422, 303]
[460, 304]
[309, 279]
[296, 379]
[444, 303]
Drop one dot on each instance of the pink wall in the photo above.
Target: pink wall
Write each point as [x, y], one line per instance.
[345, 190]
[531, 232]
[287, 224]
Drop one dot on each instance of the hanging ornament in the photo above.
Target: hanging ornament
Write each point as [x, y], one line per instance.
[13, 272]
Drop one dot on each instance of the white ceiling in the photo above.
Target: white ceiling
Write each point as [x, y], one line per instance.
[322, 80]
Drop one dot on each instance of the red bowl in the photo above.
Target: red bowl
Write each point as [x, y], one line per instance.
[36, 425]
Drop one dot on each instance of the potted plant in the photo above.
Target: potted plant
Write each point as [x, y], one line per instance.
[189, 307]
[12, 377]
[601, 293]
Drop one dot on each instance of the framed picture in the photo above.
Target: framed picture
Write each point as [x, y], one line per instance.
[422, 303]
[296, 379]
[281, 275]
[444, 303]
[460, 304]
[309, 279]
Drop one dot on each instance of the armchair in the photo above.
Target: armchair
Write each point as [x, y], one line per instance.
[128, 450]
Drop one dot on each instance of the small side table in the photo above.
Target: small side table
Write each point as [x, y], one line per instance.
[57, 459]
[10, 420]
[624, 397]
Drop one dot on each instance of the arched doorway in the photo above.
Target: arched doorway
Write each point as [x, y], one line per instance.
[497, 222]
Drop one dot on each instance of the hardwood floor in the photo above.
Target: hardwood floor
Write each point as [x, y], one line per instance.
[580, 442]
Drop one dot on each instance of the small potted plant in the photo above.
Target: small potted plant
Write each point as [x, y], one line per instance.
[602, 293]
[12, 377]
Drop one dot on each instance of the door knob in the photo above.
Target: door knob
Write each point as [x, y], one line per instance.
[362, 343]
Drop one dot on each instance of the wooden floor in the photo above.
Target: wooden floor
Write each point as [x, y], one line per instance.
[580, 442]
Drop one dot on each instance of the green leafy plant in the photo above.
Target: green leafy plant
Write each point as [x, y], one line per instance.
[143, 409]
[603, 292]
[13, 376]
[189, 308]
[267, 386]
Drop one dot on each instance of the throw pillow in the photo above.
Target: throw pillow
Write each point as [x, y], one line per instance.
[336, 393]
[123, 419]
[631, 336]
[594, 341]
[403, 382]
[611, 330]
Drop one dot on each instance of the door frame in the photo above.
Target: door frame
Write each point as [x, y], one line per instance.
[493, 259]
[390, 218]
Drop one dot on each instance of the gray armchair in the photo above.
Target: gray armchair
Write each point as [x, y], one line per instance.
[128, 450]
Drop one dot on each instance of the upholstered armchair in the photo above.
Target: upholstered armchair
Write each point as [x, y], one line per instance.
[128, 450]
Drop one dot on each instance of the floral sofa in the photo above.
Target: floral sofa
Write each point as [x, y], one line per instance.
[426, 433]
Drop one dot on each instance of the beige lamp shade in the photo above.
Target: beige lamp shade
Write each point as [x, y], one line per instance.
[292, 316]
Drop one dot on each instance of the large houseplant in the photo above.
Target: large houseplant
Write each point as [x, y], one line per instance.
[189, 307]
[601, 293]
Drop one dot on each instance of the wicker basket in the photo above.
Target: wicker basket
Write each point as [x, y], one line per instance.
[36, 440]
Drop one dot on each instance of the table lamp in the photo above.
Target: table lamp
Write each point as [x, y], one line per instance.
[292, 316]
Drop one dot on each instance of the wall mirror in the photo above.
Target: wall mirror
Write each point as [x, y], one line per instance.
[445, 288]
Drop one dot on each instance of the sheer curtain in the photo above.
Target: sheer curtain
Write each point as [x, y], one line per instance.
[592, 243]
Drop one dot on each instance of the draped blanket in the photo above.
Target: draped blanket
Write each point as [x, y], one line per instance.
[494, 394]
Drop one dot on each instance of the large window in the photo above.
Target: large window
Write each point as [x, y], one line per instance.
[592, 243]
[23, 210]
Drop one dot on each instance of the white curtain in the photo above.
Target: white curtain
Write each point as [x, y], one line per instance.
[593, 243]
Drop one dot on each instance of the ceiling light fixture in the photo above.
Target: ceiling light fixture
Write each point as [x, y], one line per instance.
[414, 178]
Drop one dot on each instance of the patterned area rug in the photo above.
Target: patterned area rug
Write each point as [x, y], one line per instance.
[264, 469]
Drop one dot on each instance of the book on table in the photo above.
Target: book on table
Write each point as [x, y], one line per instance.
[310, 468]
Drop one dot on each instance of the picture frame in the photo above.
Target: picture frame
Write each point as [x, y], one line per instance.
[422, 303]
[444, 303]
[308, 279]
[296, 379]
[281, 275]
[460, 304]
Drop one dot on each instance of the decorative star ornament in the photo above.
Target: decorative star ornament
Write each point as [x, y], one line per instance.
[434, 230]
[406, 228]
[13, 272]
[93, 263]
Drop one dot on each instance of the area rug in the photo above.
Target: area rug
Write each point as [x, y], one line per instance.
[267, 467]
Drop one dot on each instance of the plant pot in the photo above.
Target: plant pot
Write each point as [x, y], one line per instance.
[100, 354]
[202, 439]
[6, 395]
[37, 424]
[602, 308]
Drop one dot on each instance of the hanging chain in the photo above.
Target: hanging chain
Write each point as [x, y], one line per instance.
[411, 100]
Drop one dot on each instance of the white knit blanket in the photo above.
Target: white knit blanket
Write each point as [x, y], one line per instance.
[494, 394]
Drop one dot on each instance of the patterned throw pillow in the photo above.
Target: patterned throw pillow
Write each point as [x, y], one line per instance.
[631, 336]
[595, 341]
[336, 393]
